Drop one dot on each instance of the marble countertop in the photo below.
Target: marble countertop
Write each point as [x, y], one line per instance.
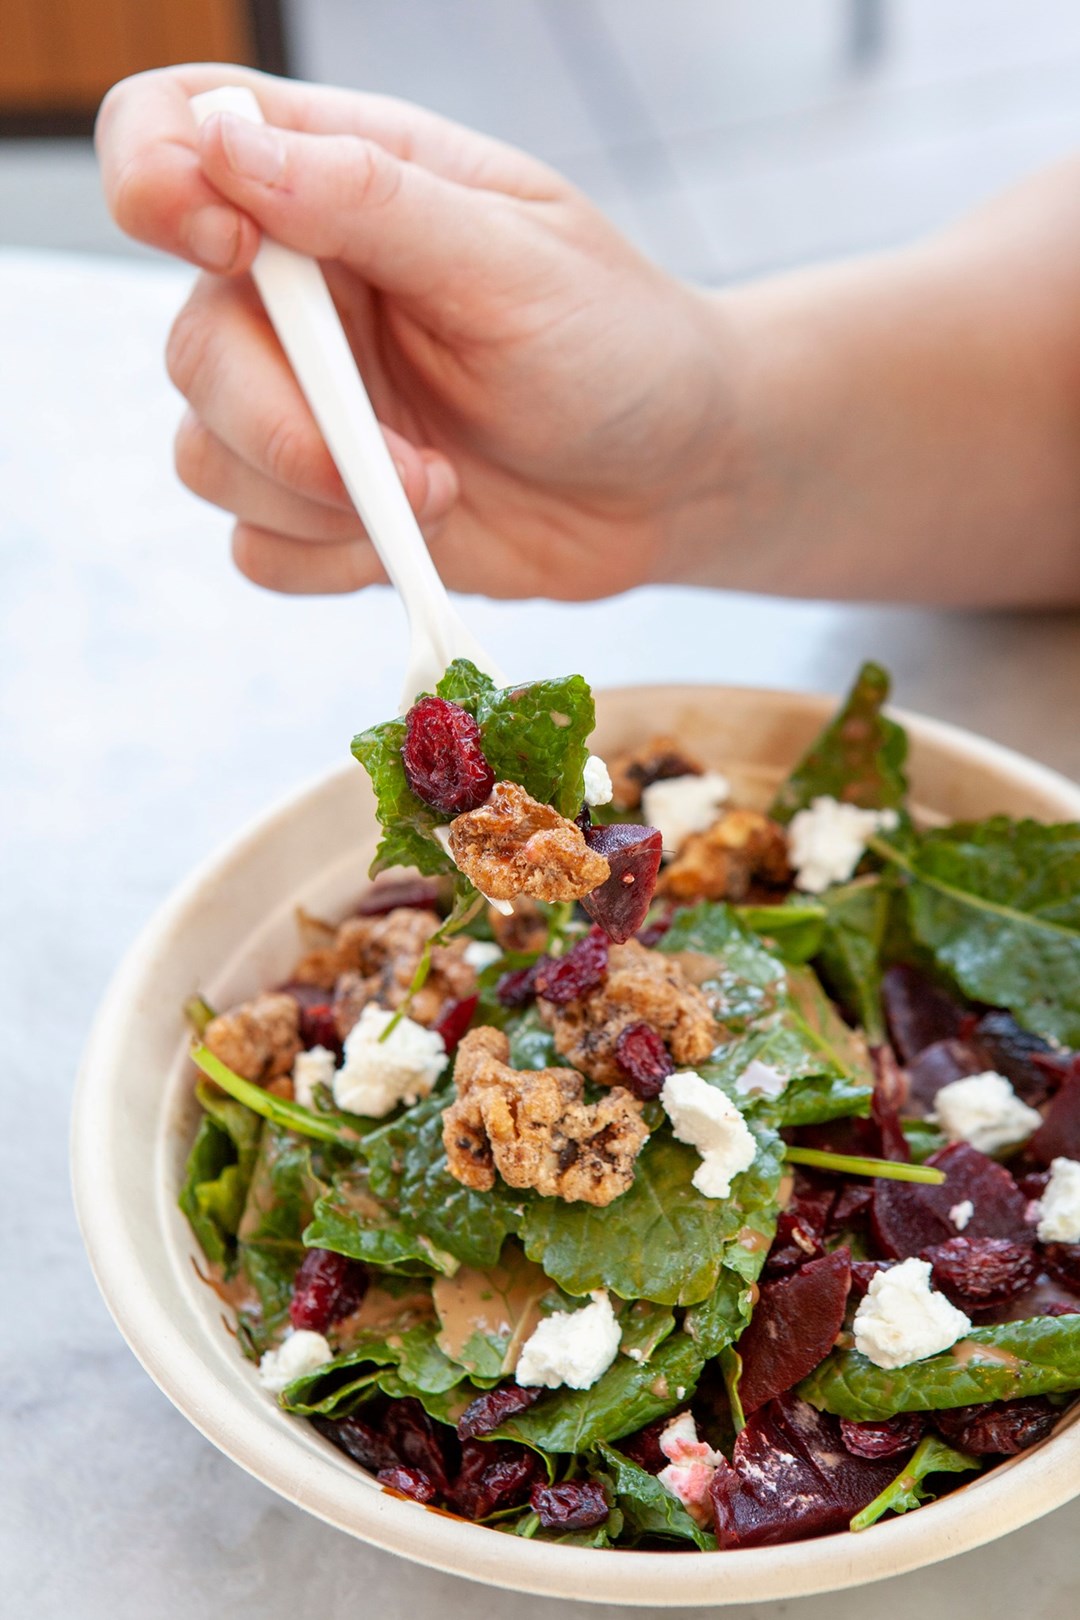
[150, 702]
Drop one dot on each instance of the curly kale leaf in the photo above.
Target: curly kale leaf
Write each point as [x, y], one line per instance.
[1040, 1356]
[997, 904]
[858, 758]
[909, 1490]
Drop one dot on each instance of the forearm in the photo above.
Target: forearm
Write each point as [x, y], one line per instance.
[908, 427]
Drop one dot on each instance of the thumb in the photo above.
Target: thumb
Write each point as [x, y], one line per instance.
[404, 229]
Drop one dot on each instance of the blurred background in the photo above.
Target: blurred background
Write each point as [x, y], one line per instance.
[726, 136]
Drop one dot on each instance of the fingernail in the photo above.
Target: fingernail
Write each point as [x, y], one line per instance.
[255, 151]
[212, 235]
[400, 469]
[442, 490]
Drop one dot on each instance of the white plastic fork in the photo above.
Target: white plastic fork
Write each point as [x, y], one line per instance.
[296, 298]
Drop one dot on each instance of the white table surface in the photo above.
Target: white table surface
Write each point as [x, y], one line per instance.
[150, 702]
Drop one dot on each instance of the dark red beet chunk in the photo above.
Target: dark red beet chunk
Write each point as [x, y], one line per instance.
[851, 1208]
[997, 1428]
[358, 1440]
[643, 1447]
[408, 1482]
[562, 979]
[653, 932]
[864, 1271]
[794, 1326]
[327, 1286]
[518, 988]
[1062, 1261]
[982, 1273]
[416, 894]
[918, 1012]
[418, 1441]
[939, 1065]
[791, 1477]
[454, 1020]
[909, 1217]
[1059, 1134]
[444, 761]
[494, 1474]
[577, 1505]
[644, 1060]
[889, 1438]
[620, 904]
[493, 1407]
[794, 1244]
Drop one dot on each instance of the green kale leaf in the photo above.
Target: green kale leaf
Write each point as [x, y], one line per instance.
[1040, 1356]
[719, 1320]
[850, 958]
[218, 1173]
[650, 1510]
[793, 930]
[500, 1306]
[285, 1184]
[858, 758]
[349, 1219]
[908, 1490]
[745, 977]
[997, 904]
[624, 1398]
[404, 1343]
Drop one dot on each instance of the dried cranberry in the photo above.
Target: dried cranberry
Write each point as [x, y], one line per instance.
[444, 762]
[327, 1286]
[794, 1326]
[794, 1244]
[408, 1482]
[980, 1273]
[414, 894]
[643, 1447]
[644, 1060]
[918, 1012]
[886, 1438]
[358, 1440]
[1059, 1308]
[997, 1428]
[583, 819]
[454, 1020]
[791, 1477]
[493, 1407]
[577, 1505]
[1058, 1137]
[494, 1474]
[1062, 1261]
[939, 1065]
[562, 979]
[417, 1441]
[318, 1027]
[621, 902]
[909, 1217]
[518, 988]
[1017, 1054]
[863, 1272]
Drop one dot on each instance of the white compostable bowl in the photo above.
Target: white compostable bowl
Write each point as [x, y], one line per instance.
[230, 931]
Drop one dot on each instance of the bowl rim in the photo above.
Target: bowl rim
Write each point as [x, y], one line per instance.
[1051, 1475]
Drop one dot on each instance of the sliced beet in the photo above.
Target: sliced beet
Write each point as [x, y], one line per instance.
[997, 1428]
[1058, 1137]
[795, 1243]
[791, 1477]
[909, 1217]
[939, 1065]
[794, 1326]
[621, 902]
[863, 1273]
[851, 1207]
[918, 1011]
[1023, 1058]
[416, 894]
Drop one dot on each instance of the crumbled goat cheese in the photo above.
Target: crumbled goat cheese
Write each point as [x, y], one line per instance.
[377, 1074]
[598, 788]
[760, 1080]
[1059, 1206]
[481, 953]
[682, 805]
[571, 1347]
[311, 1069]
[299, 1352]
[441, 836]
[901, 1318]
[704, 1117]
[826, 842]
[983, 1109]
[691, 1465]
[961, 1213]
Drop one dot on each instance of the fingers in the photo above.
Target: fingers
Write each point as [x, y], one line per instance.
[147, 145]
[343, 197]
[280, 563]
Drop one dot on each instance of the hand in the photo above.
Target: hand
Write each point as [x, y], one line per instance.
[552, 400]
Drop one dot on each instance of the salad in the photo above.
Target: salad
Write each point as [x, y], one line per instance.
[635, 1168]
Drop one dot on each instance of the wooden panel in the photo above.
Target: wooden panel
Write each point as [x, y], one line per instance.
[64, 54]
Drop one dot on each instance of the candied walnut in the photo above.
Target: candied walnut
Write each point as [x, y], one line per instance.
[657, 760]
[525, 930]
[514, 845]
[642, 987]
[533, 1127]
[724, 862]
[259, 1039]
[377, 957]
